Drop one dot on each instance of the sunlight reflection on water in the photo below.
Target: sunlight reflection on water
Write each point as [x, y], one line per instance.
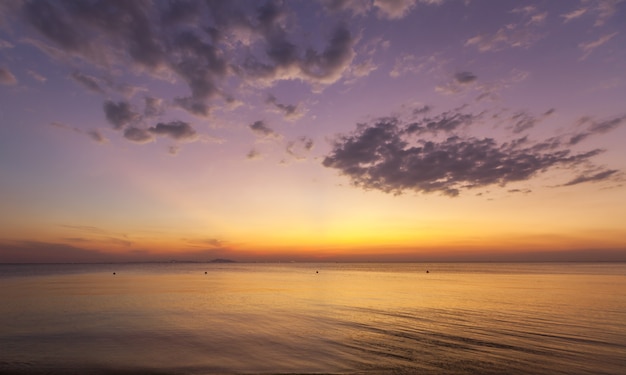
[348, 318]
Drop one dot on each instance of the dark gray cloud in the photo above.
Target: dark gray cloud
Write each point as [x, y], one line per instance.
[100, 85]
[445, 122]
[597, 128]
[6, 77]
[299, 147]
[385, 156]
[56, 24]
[88, 82]
[108, 33]
[178, 130]
[288, 62]
[522, 191]
[125, 26]
[577, 138]
[96, 136]
[421, 110]
[549, 112]
[194, 106]
[201, 65]
[289, 111]
[122, 116]
[522, 121]
[328, 66]
[119, 114]
[595, 177]
[138, 135]
[200, 43]
[262, 130]
[307, 143]
[180, 11]
[253, 154]
[465, 77]
[606, 126]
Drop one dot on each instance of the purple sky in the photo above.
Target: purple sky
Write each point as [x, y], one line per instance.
[311, 129]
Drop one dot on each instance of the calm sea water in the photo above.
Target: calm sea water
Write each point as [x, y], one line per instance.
[313, 318]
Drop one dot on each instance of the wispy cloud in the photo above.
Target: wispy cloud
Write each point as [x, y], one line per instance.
[596, 127]
[355, 7]
[457, 84]
[93, 134]
[521, 34]
[509, 36]
[394, 9]
[577, 13]
[407, 64]
[601, 10]
[89, 82]
[522, 121]
[6, 77]
[84, 228]
[589, 47]
[37, 76]
[468, 83]
[445, 122]
[299, 148]
[290, 112]
[595, 177]
[604, 10]
[92, 234]
[360, 70]
[44, 252]
[5, 44]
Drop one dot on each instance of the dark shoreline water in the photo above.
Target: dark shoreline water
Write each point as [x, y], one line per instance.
[306, 318]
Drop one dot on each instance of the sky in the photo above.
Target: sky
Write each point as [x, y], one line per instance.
[339, 130]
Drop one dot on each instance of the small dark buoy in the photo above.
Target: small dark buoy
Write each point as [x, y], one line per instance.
[114, 273]
[427, 271]
[316, 271]
[205, 272]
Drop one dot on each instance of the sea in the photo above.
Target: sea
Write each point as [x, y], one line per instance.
[313, 318]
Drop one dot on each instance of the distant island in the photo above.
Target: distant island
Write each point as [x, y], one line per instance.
[218, 260]
[222, 261]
